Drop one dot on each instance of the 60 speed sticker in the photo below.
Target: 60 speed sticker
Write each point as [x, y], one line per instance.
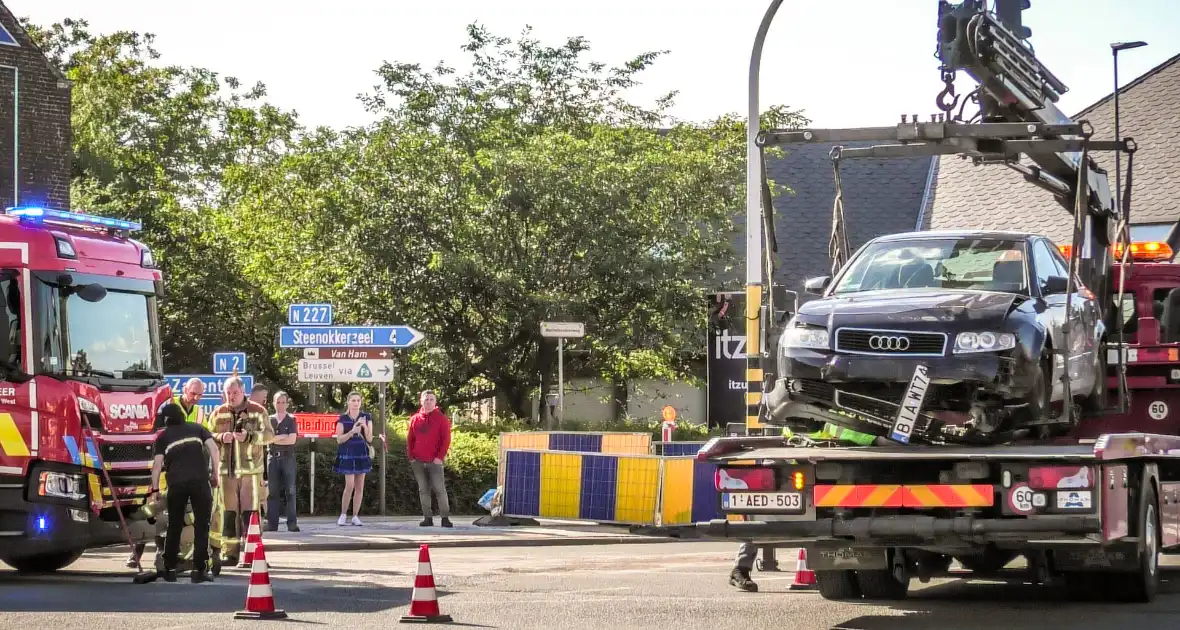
[1020, 498]
[1157, 409]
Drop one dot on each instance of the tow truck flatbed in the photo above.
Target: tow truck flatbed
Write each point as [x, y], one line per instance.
[1105, 448]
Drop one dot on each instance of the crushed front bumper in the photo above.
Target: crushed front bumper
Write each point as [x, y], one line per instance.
[823, 386]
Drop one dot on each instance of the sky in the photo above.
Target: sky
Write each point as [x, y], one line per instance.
[844, 62]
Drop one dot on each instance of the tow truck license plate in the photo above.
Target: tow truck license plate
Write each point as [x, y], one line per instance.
[911, 406]
[762, 501]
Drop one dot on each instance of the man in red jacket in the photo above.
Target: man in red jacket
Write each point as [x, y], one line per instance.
[427, 442]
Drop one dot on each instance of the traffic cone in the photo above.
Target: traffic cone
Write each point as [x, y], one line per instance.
[424, 601]
[253, 538]
[260, 599]
[804, 577]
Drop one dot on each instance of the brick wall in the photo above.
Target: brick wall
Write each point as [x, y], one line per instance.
[34, 105]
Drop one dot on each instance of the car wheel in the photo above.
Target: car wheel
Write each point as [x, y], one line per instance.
[1041, 397]
[1098, 400]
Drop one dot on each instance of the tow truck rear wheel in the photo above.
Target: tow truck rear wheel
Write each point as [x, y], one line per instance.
[989, 561]
[886, 584]
[1142, 585]
[837, 585]
[44, 563]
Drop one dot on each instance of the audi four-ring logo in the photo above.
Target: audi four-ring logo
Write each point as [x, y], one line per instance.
[883, 342]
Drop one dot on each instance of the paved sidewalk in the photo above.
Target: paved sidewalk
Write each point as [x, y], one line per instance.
[320, 533]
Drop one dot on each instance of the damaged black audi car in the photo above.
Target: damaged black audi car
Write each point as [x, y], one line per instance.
[941, 337]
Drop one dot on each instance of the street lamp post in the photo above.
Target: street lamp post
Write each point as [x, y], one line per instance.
[1118, 155]
[754, 226]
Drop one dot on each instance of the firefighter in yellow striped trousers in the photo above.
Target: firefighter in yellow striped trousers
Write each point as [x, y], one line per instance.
[243, 428]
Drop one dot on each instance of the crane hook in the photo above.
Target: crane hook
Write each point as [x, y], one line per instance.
[948, 80]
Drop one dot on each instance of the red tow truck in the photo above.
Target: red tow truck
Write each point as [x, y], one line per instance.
[1092, 510]
[81, 382]
[1090, 498]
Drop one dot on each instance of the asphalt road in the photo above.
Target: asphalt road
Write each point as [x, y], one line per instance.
[595, 587]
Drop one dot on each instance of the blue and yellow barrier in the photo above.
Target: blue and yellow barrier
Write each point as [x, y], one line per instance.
[573, 441]
[674, 449]
[604, 488]
[687, 492]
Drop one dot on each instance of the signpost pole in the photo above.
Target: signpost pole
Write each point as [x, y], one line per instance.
[384, 441]
[560, 380]
[312, 508]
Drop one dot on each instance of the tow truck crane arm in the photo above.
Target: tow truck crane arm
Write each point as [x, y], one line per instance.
[1017, 116]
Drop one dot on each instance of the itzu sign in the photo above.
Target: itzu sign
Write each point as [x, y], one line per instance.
[727, 359]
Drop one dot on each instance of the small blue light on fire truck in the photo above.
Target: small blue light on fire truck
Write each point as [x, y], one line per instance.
[34, 213]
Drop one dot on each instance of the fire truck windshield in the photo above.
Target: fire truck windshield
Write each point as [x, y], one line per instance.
[113, 337]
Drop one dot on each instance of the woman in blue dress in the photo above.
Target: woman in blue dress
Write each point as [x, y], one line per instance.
[354, 431]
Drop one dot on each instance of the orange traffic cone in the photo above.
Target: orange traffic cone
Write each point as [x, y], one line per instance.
[253, 538]
[804, 577]
[260, 599]
[424, 601]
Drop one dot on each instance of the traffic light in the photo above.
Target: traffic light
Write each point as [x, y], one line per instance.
[1010, 13]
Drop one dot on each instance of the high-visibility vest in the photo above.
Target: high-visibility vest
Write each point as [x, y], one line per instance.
[194, 414]
[834, 432]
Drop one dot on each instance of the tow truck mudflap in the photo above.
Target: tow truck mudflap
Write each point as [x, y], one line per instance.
[906, 526]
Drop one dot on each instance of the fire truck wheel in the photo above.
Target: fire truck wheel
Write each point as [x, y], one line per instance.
[44, 563]
[837, 585]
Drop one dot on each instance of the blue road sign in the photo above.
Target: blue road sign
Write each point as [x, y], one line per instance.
[309, 314]
[212, 383]
[348, 336]
[229, 362]
[207, 405]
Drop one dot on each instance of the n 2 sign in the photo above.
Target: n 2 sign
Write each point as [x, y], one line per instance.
[309, 314]
[229, 362]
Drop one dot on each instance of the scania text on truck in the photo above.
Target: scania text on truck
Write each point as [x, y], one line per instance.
[82, 379]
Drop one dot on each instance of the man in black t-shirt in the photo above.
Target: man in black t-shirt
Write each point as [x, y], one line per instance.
[180, 451]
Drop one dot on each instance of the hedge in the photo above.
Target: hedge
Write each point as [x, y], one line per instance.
[471, 465]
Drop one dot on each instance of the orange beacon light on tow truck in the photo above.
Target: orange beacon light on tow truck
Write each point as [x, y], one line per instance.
[1142, 251]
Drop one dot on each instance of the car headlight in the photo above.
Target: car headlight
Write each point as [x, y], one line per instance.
[62, 486]
[984, 342]
[805, 338]
[86, 406]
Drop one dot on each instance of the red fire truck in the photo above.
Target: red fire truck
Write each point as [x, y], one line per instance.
[81, 382]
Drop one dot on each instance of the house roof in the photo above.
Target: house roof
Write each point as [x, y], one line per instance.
[13, 25]
[881, 196]
[994, 196]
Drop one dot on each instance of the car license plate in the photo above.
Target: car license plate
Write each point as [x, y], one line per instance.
[911, 405]
[762, 501]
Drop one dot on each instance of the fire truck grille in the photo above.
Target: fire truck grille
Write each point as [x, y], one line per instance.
[120, 452]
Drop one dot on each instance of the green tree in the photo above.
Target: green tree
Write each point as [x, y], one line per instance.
[478, 206]
[154, 143]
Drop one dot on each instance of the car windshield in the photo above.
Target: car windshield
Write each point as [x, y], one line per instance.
[985, 264]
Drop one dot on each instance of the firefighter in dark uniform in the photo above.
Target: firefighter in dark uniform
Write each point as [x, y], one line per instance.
[189, 454]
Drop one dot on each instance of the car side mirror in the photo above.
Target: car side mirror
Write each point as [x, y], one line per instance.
[1055, 285]
[816, 286]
